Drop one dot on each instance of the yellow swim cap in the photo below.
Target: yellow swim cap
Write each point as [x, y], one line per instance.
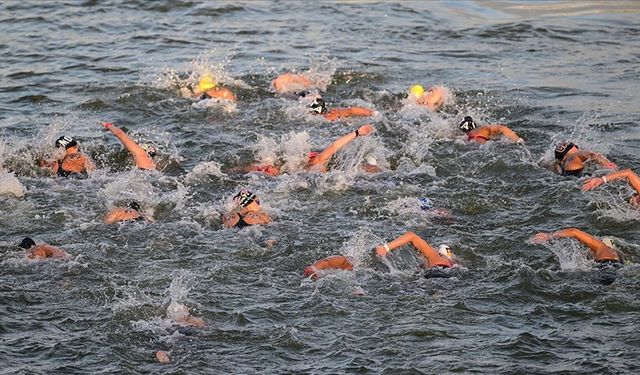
[417, 90]
[206, 83]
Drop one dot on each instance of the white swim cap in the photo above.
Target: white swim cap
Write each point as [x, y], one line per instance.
[445, 251]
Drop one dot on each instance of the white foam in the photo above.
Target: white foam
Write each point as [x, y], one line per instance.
[9, 185]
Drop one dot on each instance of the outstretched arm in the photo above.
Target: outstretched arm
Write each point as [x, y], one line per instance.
[591, 242]
[334, 262]
[421, 245]
[505, 131]
[323, 157]
[627, 174]
[140, 156]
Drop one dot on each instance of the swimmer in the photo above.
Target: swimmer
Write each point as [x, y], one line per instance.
[41, 251]
[70, 161]
[179, 313]
[486, 133]
[427, 205]
[334, 262]
[627, 174]
[142, 154]
[246, 212]
[570, 159]
[433, 98]
[436, 260]
[317, 161]
[319, 107]
[288, 83]
[604, 254]
[130, 213]
[207, 88]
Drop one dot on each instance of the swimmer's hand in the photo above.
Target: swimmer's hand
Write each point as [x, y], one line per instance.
[365, 130]
[106, 125]
[592, 183]
[162, 357]
[610, 165]
[541, 237]
[310, 271]
[381, 251]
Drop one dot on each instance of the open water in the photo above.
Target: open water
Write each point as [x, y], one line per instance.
[550, 70]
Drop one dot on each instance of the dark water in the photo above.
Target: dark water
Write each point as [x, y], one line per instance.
[551, 70]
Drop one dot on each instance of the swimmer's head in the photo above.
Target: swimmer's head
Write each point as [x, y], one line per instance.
[318, 106]
[149, 149]
[301, 94]
[445, 251]
[66, 142]
[467, 124]
[206, 83]
[27, 243]
[133, 205]
[312, 154]
[563, 148]
[417, 90]
[426, 204]
[245, 198]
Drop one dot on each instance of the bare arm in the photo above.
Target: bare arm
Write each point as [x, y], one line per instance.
[627, 174]
[599, 158]
[588, 240]
[337, 262]
[410, 237]
[140, 156]
[505, 131]
[323, 157]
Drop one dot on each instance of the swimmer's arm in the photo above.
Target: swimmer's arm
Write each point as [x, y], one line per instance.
[140, 156]
[332, 262]
[505, 131]
[111, 217]
[52, 165]
[328, 152]
[89, 166]
[628, 174]
[599, 158]
[587, 239]
[409, 238]
[230, 220]
[257, 218]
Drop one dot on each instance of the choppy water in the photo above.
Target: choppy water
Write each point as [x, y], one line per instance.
[551, 70]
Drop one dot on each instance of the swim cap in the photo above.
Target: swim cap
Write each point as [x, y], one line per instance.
[417, 90]
[445, 251]
[66, 142]
[245, 197]
[150, 149]
[206, 83]
[318, 106]
[27, 243]
[467, 124]
[313, 154]
[133, 205]
[562, 149]
[425, 204]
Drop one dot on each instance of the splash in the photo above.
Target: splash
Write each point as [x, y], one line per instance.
[359, 248]
[203, 170]
[571, 255]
